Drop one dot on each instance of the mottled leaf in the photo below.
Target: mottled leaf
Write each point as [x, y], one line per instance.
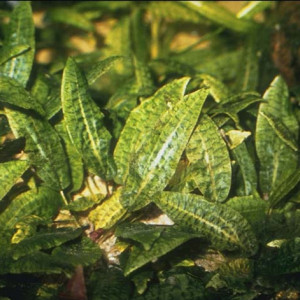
[12, 92]
[38, 262]
[224, 227]
[156, 161]
[44, 204]
[9, 173]
[285, 185]
[85, 122]
[146, 235]
[20, 32]
[44, 240]
[43, 147]
[46, 90]
[280, 129]
[84, 203]
[84, 253]
[100, 68]
[252, 208]
[277, 159]
[285, 260]
[108, 213]
[168, 240]
[146, 114]
[208, 152]
[10, 52]
[73, 157]
[217, 88]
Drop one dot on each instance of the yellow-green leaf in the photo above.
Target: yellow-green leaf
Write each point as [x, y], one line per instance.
[224, 227]
[208, 153]
[85, 122]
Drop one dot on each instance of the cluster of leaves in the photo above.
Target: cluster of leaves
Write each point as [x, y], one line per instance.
[207, 136]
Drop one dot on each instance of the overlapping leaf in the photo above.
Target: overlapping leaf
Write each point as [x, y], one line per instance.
[44, 204]
[20, 32]
[224, 227]
[85, 122]
[43, 146]
[156, 161]
[277, 159]
[44, 240]
[12, 92]
[146, 114]
[108, 213]
[73, 157]
[168, 240]
[9, 173]
[208, 152]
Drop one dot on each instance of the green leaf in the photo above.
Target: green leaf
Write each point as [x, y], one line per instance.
[277, 159]
[38, 262]
[20, 32]
[248, 77]
[85, 122]
[168, 240]
[43, 147]
[243, 158]
[252, 8]
[108, 213]
[7, 53]
[100, 68]
[44, 240]
[140, 49]
[156, 161]
[208, 152]
[284, 261]
[9, 173]
[280, 129]
[252, 208]
[224, 227]
[71, 17]
[73, 157]
[174, 11]
[109, 284]
[84, 253]
[218, 14]
[84, 203]
[46, 90]
[146, 235]
[217, 88]
[44, 204]
[284, 186]
[146, 114]
[12, 92]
